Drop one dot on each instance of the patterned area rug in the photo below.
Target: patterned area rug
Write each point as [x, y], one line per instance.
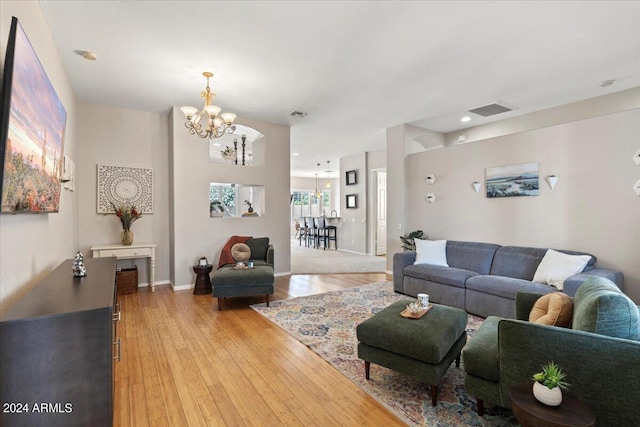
[327, 322]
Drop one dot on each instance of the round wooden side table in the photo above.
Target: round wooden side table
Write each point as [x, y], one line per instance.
[531, 413]
[203, 281]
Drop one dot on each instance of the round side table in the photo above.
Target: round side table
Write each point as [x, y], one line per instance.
[530, 412]
[203, 281]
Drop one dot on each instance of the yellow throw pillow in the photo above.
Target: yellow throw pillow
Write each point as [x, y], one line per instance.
[240, 252]
[555, 309]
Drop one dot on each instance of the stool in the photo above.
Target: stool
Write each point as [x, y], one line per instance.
[423, 348]
[203, 282]
[229, 282]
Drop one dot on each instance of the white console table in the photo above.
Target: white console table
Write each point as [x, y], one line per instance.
[136, 250]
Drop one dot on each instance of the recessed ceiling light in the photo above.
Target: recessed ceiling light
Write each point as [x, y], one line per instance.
[607, 83]
[465, 119]
[217, 144]
[295, 154]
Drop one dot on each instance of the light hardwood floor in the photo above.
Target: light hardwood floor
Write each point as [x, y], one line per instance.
[184, 363]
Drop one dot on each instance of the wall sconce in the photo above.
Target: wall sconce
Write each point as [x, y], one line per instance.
[636, 188]
[636, 157]
[477, 186]
[430, 179]
[552, 179]
[430, 198]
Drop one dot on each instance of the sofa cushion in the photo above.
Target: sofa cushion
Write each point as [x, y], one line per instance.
[554, 309]
[480, 355]
[556, 267]
[471, 255]
[522, 262]
[505, 287]
[432, 252]
[600, 307]
[258, 246]
[241, 252]
[516, 261]
[435, 273]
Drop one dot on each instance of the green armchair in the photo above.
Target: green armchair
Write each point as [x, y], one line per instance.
[228, 282]
[600, 354]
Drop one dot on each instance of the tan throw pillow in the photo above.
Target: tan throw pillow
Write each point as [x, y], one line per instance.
[240, 252]
[555, 309]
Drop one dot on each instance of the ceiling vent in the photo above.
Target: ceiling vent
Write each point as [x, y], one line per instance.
[490, 110]
[298, 114]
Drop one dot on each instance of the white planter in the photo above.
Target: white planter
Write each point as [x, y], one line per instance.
[550, 397]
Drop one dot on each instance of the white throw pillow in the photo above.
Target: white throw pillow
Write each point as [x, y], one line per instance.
[432, 252]
[556, 267]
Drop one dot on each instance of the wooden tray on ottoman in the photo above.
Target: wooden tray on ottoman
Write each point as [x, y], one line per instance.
[127, 280]
[408, 315]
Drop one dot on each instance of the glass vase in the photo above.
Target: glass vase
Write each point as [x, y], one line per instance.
[127, 237]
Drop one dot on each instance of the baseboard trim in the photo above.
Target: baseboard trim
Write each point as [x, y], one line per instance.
[354, 252]
[157, 283]
[286, 273]
[389, 272]
[183, 287]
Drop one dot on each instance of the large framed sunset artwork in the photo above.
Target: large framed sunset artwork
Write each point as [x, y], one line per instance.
[32, 130]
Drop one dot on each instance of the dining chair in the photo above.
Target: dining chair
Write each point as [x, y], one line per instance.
[310, 235]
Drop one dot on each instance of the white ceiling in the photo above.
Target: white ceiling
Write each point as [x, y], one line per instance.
[356, 67]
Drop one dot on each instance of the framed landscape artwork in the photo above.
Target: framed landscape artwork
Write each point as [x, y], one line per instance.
[32, 130]
[512, 180]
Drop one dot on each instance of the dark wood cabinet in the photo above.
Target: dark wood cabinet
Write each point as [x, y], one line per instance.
[57, 349]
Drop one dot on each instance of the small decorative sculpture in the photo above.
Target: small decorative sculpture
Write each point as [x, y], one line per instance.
[79, 270]
[414, 308]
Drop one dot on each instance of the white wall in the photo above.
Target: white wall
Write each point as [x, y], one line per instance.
[593, 207]
[396, 191]
[352, 231]
[376, 161]
[33, 245]
[118, 137]
[193, 232]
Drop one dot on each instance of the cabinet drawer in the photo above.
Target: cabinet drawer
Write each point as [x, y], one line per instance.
[123, 253]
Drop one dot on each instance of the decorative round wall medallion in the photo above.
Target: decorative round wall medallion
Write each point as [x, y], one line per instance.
[430, 179]
[430, 198]
[125, 186]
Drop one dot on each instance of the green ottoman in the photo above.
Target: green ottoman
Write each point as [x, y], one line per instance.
[228, 282]
[423, 348]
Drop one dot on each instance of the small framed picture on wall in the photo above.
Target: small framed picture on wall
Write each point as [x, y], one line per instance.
[352, 201]
[351, 177]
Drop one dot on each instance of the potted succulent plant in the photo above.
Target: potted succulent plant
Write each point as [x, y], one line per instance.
[548, 384]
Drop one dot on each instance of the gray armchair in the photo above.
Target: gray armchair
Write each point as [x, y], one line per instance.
[603, 370]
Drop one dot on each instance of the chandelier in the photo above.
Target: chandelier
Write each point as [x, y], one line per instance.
[215, 124]
[318, 193]
[328, 184]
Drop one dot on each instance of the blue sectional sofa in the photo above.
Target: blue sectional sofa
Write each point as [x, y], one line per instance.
[483, 278]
